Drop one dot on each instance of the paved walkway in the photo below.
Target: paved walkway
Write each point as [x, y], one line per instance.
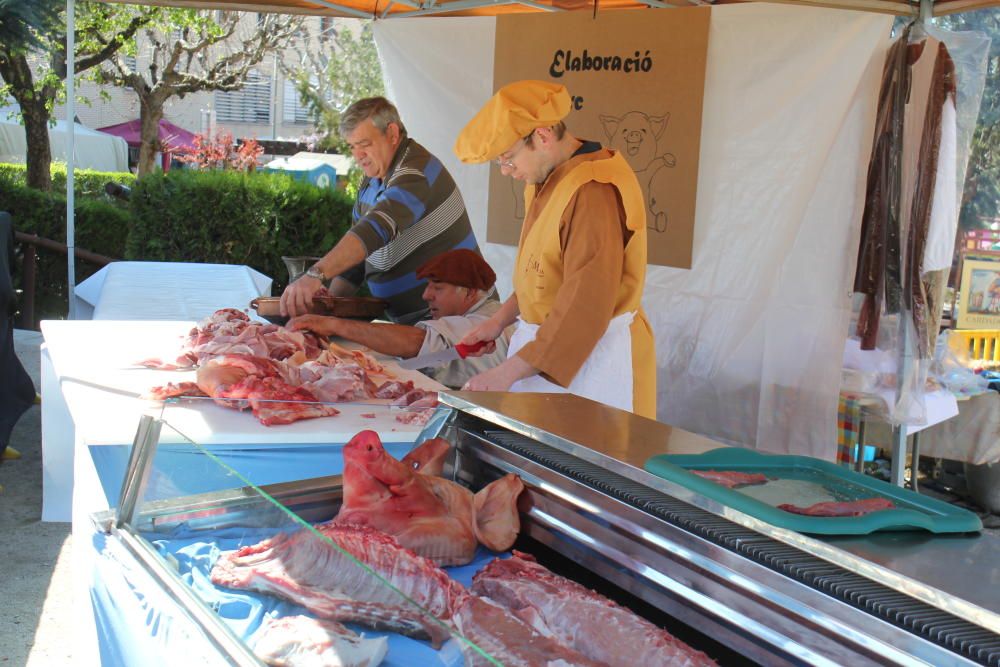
[35, 586]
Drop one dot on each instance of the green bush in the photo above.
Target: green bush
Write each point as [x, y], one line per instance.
[219, 217]
[86, 183]
[229, 217]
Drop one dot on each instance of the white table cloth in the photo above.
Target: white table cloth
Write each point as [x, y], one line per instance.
[167, 290]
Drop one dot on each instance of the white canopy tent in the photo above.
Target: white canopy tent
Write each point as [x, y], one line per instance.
[750, 339]
[92, 149]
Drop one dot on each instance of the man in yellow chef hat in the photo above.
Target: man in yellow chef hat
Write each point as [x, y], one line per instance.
[581, 260]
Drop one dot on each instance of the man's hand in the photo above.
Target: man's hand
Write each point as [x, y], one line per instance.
[501, 377]
[487, 331]
[321, 325]
[297, 297]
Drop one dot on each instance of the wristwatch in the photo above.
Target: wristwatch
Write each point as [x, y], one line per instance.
[316, 273]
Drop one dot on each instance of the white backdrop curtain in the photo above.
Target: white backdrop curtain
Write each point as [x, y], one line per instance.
[750, 340]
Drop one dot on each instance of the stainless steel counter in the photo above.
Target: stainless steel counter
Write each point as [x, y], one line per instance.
[957, 573]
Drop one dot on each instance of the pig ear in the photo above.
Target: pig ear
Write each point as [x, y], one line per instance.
[610, 125]
[658, 123]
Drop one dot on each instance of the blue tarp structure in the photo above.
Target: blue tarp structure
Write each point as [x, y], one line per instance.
[317, 168]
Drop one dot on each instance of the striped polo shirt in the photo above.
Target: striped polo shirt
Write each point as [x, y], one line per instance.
[412, 215]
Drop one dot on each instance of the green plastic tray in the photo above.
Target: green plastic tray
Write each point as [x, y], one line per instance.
[912, 511]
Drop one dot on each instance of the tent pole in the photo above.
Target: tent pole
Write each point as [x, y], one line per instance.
[906, 360]
[70, 155]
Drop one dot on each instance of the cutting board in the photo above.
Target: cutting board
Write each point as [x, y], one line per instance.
[802, 481]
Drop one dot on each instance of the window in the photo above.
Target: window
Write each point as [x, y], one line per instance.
[293, 109]
[252, 104]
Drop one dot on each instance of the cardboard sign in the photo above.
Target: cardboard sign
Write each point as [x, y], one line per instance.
[637, 81]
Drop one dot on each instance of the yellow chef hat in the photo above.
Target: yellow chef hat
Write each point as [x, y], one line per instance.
[512, 113]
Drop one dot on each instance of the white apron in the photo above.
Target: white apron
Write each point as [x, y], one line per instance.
[606, 375]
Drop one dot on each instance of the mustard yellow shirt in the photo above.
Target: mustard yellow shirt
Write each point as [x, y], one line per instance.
[582, 263]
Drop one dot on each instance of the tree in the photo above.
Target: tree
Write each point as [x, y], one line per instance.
[328, 80]
[101, 31]
[21, 22]
[201, 51]
[982, 184]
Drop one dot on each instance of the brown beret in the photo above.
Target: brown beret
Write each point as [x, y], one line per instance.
[462, 267]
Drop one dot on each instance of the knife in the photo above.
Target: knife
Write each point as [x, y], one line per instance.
[433, 359]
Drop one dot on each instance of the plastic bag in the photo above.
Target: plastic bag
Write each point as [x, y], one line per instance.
[955, 376]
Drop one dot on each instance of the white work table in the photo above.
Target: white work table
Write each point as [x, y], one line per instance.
[90, 412]
[90, 392]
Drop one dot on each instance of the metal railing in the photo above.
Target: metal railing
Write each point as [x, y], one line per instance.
[32, 242]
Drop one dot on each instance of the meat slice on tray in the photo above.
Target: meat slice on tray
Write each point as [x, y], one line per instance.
[579, 618]
[731, 478]
[433, 516]
[848, 508]
[301, 641]
[325, 579]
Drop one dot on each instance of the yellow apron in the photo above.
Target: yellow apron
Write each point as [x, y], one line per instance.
[540, 247]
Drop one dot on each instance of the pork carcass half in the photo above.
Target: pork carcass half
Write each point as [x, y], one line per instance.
[303, 641]
[506, 639]
[433, 516]
[305, 569]
[579, 618]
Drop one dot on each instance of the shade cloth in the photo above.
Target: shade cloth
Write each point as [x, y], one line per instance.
[172, 137]
[749, 340]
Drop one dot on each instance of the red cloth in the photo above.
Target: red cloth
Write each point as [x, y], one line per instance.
[462, 267]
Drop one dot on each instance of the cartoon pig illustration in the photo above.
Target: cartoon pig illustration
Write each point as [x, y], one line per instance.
[658, 192]
[635, 135]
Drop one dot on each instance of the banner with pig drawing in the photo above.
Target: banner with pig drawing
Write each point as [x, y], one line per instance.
[637, 81]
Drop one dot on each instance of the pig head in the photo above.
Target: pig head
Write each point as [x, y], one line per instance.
[430, 515]
[635, 135]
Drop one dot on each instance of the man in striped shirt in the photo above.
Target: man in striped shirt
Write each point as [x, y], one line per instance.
[408, 211]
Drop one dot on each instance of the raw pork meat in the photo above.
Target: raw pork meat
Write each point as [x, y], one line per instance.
[240, 381]
[509, 640]
[394, 389]
[230, 331]
[730, 478]
[579, 618]
[851, 508]
[419, 406]
[323, 578]
[301, 641]
[434, 517]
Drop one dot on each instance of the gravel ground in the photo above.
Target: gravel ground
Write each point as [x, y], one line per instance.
[35, 587]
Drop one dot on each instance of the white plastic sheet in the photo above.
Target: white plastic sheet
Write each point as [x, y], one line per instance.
[749, 341]
[167, 290]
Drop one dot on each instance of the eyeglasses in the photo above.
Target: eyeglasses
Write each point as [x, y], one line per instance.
[508, 162]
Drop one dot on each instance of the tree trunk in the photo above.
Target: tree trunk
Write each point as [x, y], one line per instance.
[36, 133]
[150, 115]
[15, 72]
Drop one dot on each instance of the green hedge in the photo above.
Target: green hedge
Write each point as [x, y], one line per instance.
[86, 183]
[181, 216]
[228, 217]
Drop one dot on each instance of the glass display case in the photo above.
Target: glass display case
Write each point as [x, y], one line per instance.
[261, 573]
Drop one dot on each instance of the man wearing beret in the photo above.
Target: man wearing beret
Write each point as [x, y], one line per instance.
[408, 210]
[581, 259]
[457, 293]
